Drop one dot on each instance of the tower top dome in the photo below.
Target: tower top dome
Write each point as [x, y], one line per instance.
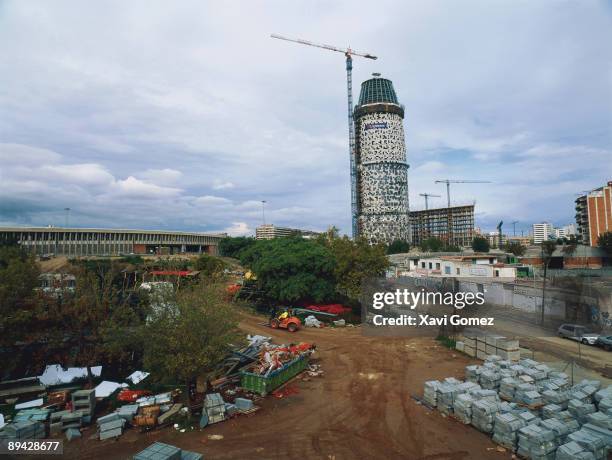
[377, 90]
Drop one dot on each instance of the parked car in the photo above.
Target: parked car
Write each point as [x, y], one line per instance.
[604, 341]
[578, 333]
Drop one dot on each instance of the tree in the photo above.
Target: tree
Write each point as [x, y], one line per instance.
[432, 244]
[190, 340]
[516, 248]
[292, 269]
[354, 262]
[18, 300]
[233, 246]
[605, 242]
[480, 244]
[209, 266]
[398, 247]
[102, 302]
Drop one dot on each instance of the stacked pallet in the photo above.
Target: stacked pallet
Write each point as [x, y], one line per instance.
[479, 345]
[536, 442]
[28, 429]
[161, 451]
[505, 431]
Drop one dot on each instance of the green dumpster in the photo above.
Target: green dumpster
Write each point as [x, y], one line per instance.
[264, 384]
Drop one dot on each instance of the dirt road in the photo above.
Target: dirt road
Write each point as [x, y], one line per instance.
[360, 409]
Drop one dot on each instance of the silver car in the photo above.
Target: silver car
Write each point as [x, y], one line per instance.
[577, 333]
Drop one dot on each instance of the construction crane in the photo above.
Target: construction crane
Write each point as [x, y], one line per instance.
[349, 53]
[427, 195]
[450, 181]
[449, 225]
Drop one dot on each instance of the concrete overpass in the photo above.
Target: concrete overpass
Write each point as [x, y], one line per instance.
[77, 242]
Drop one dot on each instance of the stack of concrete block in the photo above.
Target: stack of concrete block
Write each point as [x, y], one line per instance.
[84, 401]
[528, 417]
[489, 379]
[557, 397]
[161, 451]
[463, 408]
[36, 414]
[507, 388]
[564, 416]
[481, 347]
[445, 396]
[491, 343]
[243, 404]
[605, 406]
[128, 412]
[600, 419]
[561, 430]
[603, 433]
[520, 394]
[508, 349]
[27, 429]
[112, 427]
[549, 410]
[536, 442]
[472, 373]
[483, 415]
[430, 393]
[604, 393]
[505, 430]
[573, 451]
[73, 433]
[580, 410]
[214, 407]
[72, 420]
[55, 422]
[590, 441]
[469, 345]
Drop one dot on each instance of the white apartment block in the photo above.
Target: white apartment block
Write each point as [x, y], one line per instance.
[542, 232]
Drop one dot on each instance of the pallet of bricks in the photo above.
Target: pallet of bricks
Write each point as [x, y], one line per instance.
[162, 451]
[479, 345]
[529, 409]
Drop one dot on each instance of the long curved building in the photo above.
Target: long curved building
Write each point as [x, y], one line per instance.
[382, 171]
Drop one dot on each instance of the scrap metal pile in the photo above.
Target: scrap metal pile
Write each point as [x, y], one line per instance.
[529, 409]
[260, 356]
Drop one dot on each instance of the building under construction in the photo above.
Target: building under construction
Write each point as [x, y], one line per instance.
[382, 171]
[435, 223]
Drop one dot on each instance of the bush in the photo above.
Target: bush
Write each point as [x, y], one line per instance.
[480, 244]
[398, 247]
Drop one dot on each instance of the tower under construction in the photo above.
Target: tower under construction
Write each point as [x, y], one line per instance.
[382, 171]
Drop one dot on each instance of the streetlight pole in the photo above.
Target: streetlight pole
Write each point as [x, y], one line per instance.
[263, 211]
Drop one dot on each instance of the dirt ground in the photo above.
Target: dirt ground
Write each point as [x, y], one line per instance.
[360, 409]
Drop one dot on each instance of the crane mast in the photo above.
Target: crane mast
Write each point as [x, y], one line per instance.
[348, 53]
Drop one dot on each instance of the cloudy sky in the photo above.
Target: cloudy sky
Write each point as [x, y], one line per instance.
[186, 114]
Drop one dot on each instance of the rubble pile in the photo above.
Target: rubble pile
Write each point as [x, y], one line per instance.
[529, 409]
[223, 395]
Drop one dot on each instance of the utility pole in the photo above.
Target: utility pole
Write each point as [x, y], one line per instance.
[67, 217]
[348, 53]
